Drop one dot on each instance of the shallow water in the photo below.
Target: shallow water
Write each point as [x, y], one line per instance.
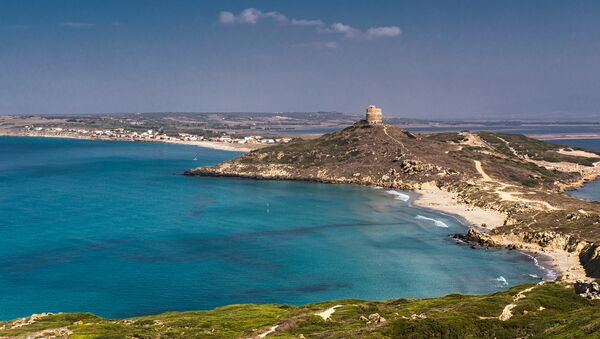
[114, 229]
[591, 190]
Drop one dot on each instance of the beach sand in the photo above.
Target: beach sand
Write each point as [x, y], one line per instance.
[222, 146]
[436, 199]
[565, 264]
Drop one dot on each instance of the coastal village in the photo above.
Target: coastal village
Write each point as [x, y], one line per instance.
[148, 135]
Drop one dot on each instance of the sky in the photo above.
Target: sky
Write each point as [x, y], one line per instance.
[448, 59]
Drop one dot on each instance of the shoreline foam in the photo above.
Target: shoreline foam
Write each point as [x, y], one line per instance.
[439, 201]
[562, 262]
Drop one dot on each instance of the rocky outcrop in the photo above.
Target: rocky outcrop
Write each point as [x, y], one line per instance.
[476, 238]
[588, 253]
[553, 240]
[590, 259]
[374, 318]
[26, 321]
[588, 289]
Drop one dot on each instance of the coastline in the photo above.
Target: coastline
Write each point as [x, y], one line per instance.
[566, 266]
[221, 146]
[565, 136]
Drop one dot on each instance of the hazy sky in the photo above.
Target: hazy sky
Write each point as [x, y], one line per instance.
[431, 59]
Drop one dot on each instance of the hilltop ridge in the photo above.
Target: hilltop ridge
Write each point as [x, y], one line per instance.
[522, 179]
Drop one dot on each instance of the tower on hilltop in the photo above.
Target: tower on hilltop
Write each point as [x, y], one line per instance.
[374, 116]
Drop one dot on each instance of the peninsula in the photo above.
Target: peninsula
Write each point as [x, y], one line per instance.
[510, 188]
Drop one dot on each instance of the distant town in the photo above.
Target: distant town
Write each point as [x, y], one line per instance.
[247, 131]
[148, 135]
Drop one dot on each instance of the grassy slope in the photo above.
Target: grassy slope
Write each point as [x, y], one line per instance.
[564, 315]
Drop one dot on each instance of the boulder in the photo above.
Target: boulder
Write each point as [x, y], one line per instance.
[587, 289]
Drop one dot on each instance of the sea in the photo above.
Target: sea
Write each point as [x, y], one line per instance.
[590, 191]
[115, 229]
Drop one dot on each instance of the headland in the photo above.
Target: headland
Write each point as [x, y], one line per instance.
[510, 188]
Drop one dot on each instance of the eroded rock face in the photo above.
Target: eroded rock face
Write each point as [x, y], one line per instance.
[588, 289]
[554, 240]
[476, 239]
[590, 259]
[374, 318]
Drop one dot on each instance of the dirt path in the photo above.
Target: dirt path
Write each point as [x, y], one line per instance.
[394, 139]
[507, 311]
[326, 315]
[512, 150]
[271, 330]
[480, 170]
[507, 195]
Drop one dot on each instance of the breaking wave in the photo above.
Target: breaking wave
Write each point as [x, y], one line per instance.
[550, 274]
[502, 280]
[438, 223]
[399, 196]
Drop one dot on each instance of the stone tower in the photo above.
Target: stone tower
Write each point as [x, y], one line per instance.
[374, 115]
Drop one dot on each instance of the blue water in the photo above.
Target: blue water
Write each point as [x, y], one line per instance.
[591, 190]
[114, 229]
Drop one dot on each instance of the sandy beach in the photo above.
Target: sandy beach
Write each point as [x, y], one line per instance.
[434, 198]
[222, 146]
[566, 265]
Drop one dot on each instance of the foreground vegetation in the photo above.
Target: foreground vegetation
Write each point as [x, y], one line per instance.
[551, 310]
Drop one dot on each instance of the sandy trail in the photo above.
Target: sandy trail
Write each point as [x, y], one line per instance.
[394, 139]
[480, 170]
[271, 330]
[512, 150]
[507, 195]
[326, 315]
[507, 311]
[473, 140]
[577, 153]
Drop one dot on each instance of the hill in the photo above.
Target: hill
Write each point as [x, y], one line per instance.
[549, 310]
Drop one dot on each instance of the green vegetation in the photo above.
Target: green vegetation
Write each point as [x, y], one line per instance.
[447, 137]
[532, 148]
[551, 310]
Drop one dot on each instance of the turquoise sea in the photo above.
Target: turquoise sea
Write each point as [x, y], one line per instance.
[113, 228]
